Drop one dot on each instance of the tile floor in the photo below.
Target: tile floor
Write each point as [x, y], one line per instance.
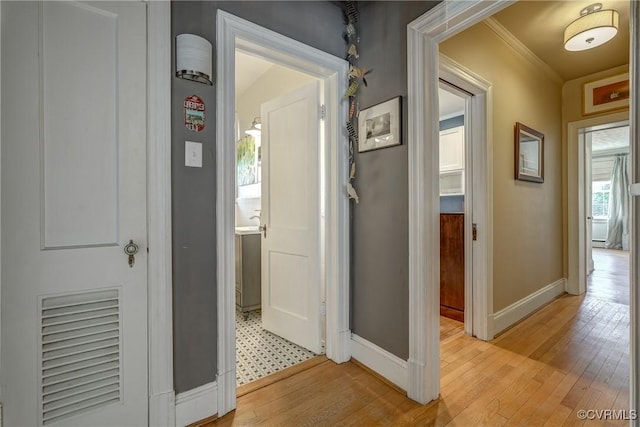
[260, 353]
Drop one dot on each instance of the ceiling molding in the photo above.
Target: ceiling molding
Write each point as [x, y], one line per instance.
[522, 49]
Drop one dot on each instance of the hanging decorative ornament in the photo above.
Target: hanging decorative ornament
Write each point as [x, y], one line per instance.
[353, 52]
[351, 30]
[351, 39]
[353, 135]
[352, 89]
[355, 72]
[352, 12]
[352, 193]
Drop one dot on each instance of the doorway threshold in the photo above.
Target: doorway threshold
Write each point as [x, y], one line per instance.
[280, 375]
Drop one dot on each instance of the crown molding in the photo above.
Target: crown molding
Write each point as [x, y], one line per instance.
[520, 48]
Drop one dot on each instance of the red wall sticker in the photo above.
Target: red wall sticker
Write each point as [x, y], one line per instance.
[194, 113]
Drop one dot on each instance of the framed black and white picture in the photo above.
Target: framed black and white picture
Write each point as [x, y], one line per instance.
[380, 126]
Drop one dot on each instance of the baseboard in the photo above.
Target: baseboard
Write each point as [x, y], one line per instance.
[598, 244]
[380, 361]
[197, 404]
[515, 312]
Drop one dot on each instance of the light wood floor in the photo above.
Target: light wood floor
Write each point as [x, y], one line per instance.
[572, 354]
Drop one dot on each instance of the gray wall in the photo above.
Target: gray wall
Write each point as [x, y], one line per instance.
[194, 235]
[318, 24]
[380, 270]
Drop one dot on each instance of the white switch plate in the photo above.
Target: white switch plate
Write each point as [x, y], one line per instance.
[193, 154]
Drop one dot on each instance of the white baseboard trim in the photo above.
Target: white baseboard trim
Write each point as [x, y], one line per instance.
[380, 361]
[197, 404]
[510, 315]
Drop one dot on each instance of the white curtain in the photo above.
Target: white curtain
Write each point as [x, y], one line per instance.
[618, 225]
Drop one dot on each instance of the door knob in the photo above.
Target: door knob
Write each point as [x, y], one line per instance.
[131, 249]
[263, 228]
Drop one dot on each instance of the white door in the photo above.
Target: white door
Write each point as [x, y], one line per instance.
[291, 215]
[74, 314]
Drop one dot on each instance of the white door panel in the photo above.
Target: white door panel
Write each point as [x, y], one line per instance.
[74, 314]
[291, 213]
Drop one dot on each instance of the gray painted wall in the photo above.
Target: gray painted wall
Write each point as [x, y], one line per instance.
[380, 266]
[193, 224]
[318, 24]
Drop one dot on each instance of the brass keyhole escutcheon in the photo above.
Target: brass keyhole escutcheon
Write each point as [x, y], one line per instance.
[131, 249]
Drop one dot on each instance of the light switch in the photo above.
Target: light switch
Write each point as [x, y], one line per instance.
[193, 154]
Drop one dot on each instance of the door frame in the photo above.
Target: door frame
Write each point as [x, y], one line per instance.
[576, 212]
[478, 197]
[423, 36]
[159, 278]
[235, 32]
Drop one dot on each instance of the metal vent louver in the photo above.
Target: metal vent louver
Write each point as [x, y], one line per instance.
[80, 344]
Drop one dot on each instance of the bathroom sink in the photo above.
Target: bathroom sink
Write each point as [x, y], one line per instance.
[248, 229]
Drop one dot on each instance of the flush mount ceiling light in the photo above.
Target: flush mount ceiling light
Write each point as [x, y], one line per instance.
[594, 27]
[256, 127]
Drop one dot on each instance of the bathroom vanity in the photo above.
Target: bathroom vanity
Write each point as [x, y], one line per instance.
[248, 269]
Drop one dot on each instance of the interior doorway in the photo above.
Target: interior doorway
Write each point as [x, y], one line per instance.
[452, 108]
[607, 206]
[233, 34]
[264, 345]
[424, 35]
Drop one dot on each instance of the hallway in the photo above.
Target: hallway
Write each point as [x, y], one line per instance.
[569, 356]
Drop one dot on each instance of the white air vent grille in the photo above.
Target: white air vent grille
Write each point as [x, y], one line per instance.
[80, 344]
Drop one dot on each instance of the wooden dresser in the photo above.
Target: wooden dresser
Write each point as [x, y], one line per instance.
[452, 265]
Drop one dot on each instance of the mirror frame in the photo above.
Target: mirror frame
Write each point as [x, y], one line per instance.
[522, 132]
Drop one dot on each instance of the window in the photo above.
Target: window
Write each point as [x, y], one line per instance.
[600, 199]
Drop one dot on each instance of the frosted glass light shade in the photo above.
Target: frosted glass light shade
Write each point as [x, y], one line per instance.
[591, 30]
[194, 58]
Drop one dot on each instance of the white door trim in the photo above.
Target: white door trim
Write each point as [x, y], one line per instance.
[235, 32]
[478, 206]
[576, 215]
[423, 35]
[634, 265]
[160, 282]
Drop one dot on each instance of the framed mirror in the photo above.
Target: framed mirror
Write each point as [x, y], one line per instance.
[529, 149]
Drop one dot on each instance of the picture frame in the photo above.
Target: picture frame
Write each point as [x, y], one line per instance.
[611, 93]
[380, 125]
[529, 154]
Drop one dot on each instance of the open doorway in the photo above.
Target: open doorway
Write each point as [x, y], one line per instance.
[607, 177]
[425, 35]
[331, 166]
[452, 103]
[264, 345]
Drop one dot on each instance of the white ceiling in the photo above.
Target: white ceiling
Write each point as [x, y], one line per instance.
[610, 139]
[451, 105]
[248, 70]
